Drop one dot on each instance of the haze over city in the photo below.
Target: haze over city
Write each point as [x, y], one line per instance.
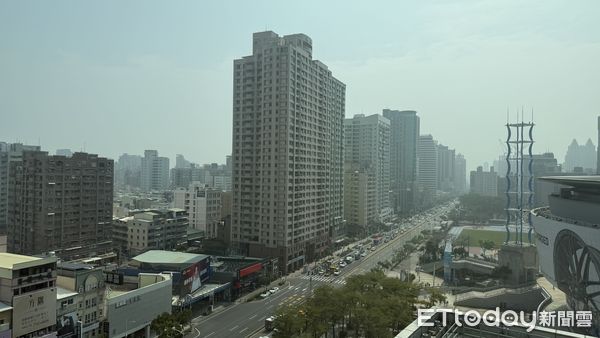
[114, 77]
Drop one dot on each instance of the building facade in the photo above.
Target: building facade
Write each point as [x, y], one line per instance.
[404, 136]
[446, 162]
[128, 171]
[288, 114]
[203, 206]
[155, 171]
[28, 287]
[427, 165]
[367, 149]
[60, 203]
[460, 174]
[484, 183]
[360, 198]
[581, 156]
[9, 152]
[150, 230]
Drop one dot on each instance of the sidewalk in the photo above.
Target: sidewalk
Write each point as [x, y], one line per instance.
[559, 299]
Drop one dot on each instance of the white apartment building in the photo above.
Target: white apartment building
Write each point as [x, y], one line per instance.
[288, 114]
[155, 171]
[427, 164]
[203, 205]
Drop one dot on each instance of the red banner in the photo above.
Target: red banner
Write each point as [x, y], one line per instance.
[251, 269]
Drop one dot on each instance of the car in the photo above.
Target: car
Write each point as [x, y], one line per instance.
[265, 295]
[274, 289]
[342, 265]
[372, 248]
[336, 273]
[363, 254]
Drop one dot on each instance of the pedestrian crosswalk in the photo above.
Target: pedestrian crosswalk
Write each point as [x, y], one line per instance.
[324, 279]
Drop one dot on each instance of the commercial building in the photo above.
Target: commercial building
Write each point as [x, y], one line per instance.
[460, 174]
[367, 149]
[130, 312]
[80, 300]
[27, 296]
[404, 136]
[61, 204]
[150, 230]
[203, 206]
[427, 165]
[568, 241]
[484, 183]
[155, 171]
[288, 114]
[9, 152]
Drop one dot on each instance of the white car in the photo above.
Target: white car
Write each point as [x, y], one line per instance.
[342, 265]
[265, 295]
[274, 289]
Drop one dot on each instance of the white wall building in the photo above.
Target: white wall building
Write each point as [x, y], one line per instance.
[155, 171]
[203, 205]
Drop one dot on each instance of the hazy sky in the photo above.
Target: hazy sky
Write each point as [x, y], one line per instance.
[124, 76]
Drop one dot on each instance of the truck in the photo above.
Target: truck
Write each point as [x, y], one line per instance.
[269, 323]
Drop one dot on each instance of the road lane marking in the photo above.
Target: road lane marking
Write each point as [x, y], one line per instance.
[233, 328]
[262, 318]
[304, 289]
[252, 317]
[210, 334]
[244, 330]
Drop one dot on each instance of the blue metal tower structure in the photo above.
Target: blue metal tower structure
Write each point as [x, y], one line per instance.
[519, 179]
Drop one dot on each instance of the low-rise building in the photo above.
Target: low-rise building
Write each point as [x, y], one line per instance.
[147, 230]
[203, 205]
[27, 295]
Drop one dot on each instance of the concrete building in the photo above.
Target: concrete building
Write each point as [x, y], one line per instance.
[288, 114]
[9, 152]
[367, 149]
[128, 171]
[584, 156]
[427, 164]
[155, 171]
[460, 174]
[181, 162]
[203, 206]
[150, 230]
[84, 284]
[130, 312]
[64, 152]
[445, 172]
[568, 241]
[404, 136]
[59, 204]
[27, 296]
[360, 197]
[484, 183]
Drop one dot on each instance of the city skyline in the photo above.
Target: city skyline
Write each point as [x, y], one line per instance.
[176, 75]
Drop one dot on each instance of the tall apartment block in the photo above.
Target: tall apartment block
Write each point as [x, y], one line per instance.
[484, 183]
[9, 152]
[446, 159]
[460, 174]
[367, 150]
[428, 165]
[128, 171]
[155, 171]
[288, 114]
[203, 205]
[360, 198]
[404, 136]
[59, 203]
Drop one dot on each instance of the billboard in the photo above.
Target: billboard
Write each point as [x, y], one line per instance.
[34, 311]
[66, 325]
[193, 277]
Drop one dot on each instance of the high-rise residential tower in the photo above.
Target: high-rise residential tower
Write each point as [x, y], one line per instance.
[128, 171]
[404, 136]
[446, 158]
[367, 149]
[9, 152]
[427, 164]
[59, 203]
[460, 174]
[155, 171]
[288, 114]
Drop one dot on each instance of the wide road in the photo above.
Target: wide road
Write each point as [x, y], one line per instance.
[245, 319]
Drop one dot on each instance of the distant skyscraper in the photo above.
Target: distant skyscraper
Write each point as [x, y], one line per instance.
[460, 174]
[9, 152]
[584, 156]
[367, 149]
[484, 183]
[181, 162]
[445, 168]
[59, 203]
[404, 136]
[288, 114]
[64, 152]
[155, 171]
[128, 171]
[427, 164]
